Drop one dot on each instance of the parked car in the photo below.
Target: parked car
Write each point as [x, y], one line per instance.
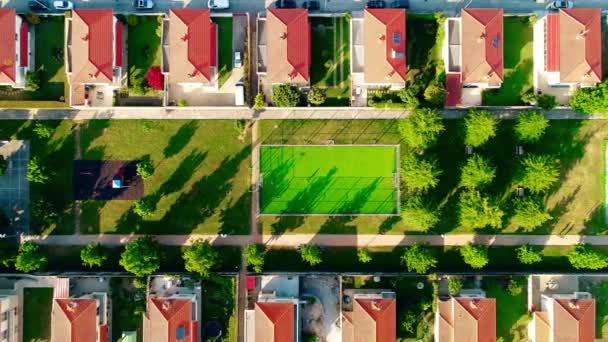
[239, 94]
[376, 4]
[218, 4]
[285, 4]
[400, 4]
[238, 62]
[143, 4]
[39, 5]
[63, 5]
[313, 5]
[557, 4]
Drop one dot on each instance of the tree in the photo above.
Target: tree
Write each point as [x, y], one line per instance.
[155, 78]
[364, 255]
[529, 213]
[476, 211]
[417, 214]
[254, 256]
[477, 172]
[422, 128]
[528, 255]
[311, 254]
[419, 258]
[93, 255]
[43, 213]
[409, 98]
[584, 257]
[547, 102]
[200, 257]
[42, 131]
[531, 126]
[30, 257]
[537, 173]
[479, 127]
[316, 96]
[454, 285]
[259, 102]
[435, 94]
[420, 174]
[36, 173]
[285, 95]
[475, 255]
[32, 80]
[145, 168]
[3, 165]
[145, 207]
[142, 256]
[591, 100]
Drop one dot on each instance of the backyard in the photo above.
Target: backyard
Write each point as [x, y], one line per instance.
[330, 63]
[37, 305]
[218, 305]
[224, 48]
[511, 311]
[517, 64]
[49, 60]
[576, 202]
[128, 306]
[144, 51]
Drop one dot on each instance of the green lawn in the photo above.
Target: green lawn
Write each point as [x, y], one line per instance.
[49, 59]
[600, 294]
[200, 185]
[37, 305]
[511, 311]
[328, 179]
[517, 64]
[127, 302]
[218, 304]
[143, 51]
[224, 48]
[330, 63]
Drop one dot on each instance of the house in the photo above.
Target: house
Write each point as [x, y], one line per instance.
[82, 319]
[94, 56]
[286, 44]
[15, 39]
[473, 53]
[564, 318]
[172, 310]
[189, 57]
[372, 318]
[465, 318]
[274, 314]
[9, 316]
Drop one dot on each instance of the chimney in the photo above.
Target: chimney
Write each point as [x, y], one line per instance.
[72, 306]
[86, 38]
[473, 304]
[482, 37]
[582, 34]
[284, 35]
[573, 304]
[185, 37]
[166, 305]
[375, 305]
[382, 37]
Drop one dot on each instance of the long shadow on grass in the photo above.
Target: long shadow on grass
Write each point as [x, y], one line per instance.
[89, 132]
[180, 139]
[235, 219]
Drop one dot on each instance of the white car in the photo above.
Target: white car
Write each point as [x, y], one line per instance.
[557, 4]
[218, 4]
[63, 5]
[238, 61]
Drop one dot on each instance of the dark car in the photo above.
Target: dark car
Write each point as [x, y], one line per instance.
[285, 4]
[312, 5]
[400, 4]
[376, 4]
[39, 5]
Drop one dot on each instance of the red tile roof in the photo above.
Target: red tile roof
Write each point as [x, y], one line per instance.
[100, 37]
[7, 41]
[453, 85]
[278, 324]
[379, 321]
[574, 320]
[295, 31]
[394, 21]
[552, 62]
[201, 37]
[81, 316]
[478, 63]
[23, 44]
[580, 34]
[174, 314]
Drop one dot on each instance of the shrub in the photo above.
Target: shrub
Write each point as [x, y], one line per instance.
[479, 127]
[30, 258]
[285, 95]
[584, 257]
[145, 168]
[529, 255]
[547, 102]
[409, 320]
[316, 96]
[32, 18]
[182, 103]
[36, 173]
[200, 257]
[529, 213]
[515, 288]
[477, 172]
[93, 255]
[42, 131]
[531, 126]
[474, 255]
[259, 102]
[409, 98]
[417, 214]
[42, 212]
[32, 80]
[529, 97]
[142, 256]
[254, 256]
[140, 282]
[591, 100]
[422, 129]
[419, 258]
[476, 211]
[311, 254]
[435, 94]
[454, 285]
[132, 20]
[155, 78]
[537, 173]
[364, 255]
[420, 174]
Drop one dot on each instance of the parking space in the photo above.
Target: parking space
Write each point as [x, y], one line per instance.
[14, 187]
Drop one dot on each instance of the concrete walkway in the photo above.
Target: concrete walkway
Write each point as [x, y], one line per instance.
[365, 240]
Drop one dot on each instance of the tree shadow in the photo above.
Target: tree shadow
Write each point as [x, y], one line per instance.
[180, 139]
[235, 219]
[183, 173]
[388, 224]
[89, 132]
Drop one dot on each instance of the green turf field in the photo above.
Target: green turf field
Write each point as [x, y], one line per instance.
[335, 179]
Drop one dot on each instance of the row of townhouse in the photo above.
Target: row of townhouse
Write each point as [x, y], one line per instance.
[567, 51]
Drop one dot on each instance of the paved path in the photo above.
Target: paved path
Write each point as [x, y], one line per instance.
[364, 240]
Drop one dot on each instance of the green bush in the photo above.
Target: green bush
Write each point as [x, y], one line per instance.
[531, 126]
[364, 255]
[285, 95]
[474, 255]
[591, 100]
[311, 254]
[529, 255]
[200, 257]
[477, 172]
[142, 256]
[454, 285]
[145, 168]
[409, 98]
[409, 320]
[515, 288]
[435, 94]
[42, 131]
[36, 173]
[144, 207]
[259, 102]
[182, 103]
[316, 96]
[479, 127]
[547, 102]
[93, 255]
[30, 258]
[32, 80]
[584, 257]
[254, 256]
[419, 258]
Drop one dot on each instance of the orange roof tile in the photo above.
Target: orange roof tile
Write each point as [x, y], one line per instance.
[166, 318]
[74, 320]
[288, 44]
[274, 322]
[7, 41]
[482, 46]
[580, 45]
[385, 48]
[374, 320]
[92, 38]
[574, 320]
[467, 320]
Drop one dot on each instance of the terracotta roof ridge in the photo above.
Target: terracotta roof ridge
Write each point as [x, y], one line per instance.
[78, 314]
[445, 320]
[292, 19]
